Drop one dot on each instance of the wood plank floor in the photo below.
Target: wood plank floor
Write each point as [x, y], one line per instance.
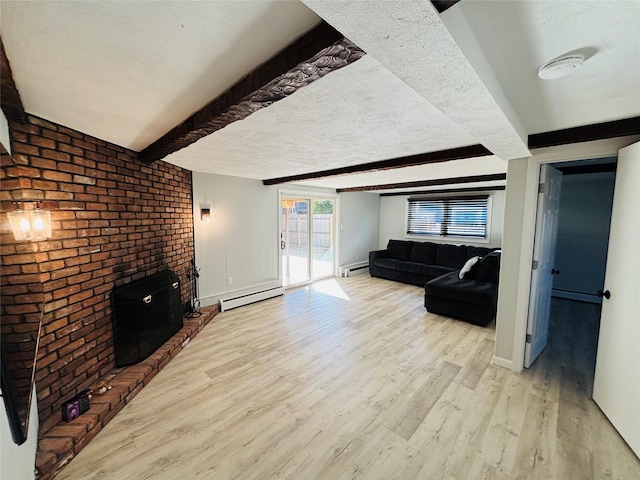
[352, 379]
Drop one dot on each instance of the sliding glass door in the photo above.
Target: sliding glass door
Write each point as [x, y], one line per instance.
[306, 239]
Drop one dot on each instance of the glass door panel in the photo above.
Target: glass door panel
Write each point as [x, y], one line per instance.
[294, 240]
[322, 238]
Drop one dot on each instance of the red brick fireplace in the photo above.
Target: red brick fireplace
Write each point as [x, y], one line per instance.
[114, 218]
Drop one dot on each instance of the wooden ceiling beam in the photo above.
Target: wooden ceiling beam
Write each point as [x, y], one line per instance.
[447, 190]
[586, 133]
[315, 54]
[427, 183]
[9, 95]
[400, 162]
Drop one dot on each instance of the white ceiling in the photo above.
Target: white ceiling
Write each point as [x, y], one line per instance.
[127, 72]
[606, 88]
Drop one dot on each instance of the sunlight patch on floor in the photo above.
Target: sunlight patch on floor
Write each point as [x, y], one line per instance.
[330, 287]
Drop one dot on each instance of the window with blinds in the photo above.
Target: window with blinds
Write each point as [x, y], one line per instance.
[448, 216]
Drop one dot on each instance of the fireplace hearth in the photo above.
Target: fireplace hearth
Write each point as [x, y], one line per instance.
[146, 313]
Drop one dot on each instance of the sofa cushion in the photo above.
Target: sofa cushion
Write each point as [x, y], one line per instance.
[487, 269]
[411, 267]
[424, 252]
[400, 249]
[451, 255]
[385, 263]
[467, 267]
[466, 291]
[478, 251]
[436, 270]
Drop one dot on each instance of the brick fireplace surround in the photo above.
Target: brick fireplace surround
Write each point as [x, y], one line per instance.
[114, 220]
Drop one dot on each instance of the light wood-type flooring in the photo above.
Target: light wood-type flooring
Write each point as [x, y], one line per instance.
[351, 378]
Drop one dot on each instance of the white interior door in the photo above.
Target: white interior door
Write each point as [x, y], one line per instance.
[616, 387]
[543, 263]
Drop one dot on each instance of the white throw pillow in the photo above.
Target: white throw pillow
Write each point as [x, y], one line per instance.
[467, 266]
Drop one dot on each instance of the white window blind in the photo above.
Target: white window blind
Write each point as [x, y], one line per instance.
[448, 216]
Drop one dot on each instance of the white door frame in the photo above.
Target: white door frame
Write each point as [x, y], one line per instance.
[515, 283]
[310, 194]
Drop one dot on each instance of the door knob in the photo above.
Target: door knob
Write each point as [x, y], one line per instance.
[555, 272]
[606, 294]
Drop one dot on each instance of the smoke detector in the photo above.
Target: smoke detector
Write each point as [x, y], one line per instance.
[560, 67]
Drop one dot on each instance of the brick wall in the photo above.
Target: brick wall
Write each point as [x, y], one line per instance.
[114, 220]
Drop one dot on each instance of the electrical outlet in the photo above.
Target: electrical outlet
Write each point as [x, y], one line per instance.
[357, 256]
[229, 280]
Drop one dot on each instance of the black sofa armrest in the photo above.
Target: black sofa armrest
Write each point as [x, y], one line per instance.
[378, 254]
[375, 271]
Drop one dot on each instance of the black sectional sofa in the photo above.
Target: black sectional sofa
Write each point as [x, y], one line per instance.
[419, 262]
[436, 267]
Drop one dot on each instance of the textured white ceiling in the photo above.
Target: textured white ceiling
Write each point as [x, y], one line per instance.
[518, 37]
[127, 72]
[333, 122]
[409, 38]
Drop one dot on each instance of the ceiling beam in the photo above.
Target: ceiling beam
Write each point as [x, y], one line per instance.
[9, 95]
[449, 190]
[315, 54]
[586, 133]
[428, 183]
[400, 162]
[442, 5]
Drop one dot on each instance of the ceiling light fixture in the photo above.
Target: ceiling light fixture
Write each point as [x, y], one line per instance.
[560, 67]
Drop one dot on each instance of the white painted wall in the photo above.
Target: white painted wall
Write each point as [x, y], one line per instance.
[516, 239]
[360, 224]
[4, 133]
[393, 214]
[242, 242]
[583, 235]
[17, 462]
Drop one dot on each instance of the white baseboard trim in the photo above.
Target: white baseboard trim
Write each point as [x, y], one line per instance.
[506, 363]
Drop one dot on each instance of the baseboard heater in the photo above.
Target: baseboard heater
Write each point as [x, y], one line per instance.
[354, 269]
[251, 297]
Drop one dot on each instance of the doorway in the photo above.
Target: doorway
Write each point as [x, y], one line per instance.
[577, 248]
[618, 329]
[307, 239]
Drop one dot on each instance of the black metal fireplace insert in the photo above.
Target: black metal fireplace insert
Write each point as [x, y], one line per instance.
[146, 313]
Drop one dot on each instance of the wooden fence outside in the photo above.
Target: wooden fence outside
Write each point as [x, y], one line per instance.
[298, 235]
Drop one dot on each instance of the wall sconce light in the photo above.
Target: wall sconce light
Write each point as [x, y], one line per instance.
[205, 214]
[34, 225]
